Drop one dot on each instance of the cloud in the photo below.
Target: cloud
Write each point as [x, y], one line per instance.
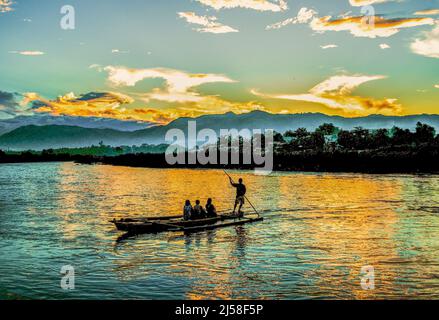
[109, 105]
[209, 24]
[6, 6]
[384, 46]
[360, 27]
[11, 105]
[329, 46]
[304, 15]
[259, 5]
[28, 53]
[178, 96]
[8, 105]
[179, 85]
[119, 51]
[430, 12]
[428, 45]
[336, 93]
[361, 3]
[93, 104]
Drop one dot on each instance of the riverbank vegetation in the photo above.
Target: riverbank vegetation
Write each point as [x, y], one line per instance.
[326, 149]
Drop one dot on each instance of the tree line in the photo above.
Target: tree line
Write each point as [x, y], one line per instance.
[327, 148]
[330, 138]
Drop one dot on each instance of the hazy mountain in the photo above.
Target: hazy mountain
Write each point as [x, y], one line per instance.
[44, 137]
[91, 122]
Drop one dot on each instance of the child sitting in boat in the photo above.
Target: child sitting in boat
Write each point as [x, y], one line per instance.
[210, 209]
[187, 210]
[198, 212]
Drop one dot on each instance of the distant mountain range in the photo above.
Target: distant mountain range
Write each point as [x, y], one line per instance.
[91, 132]
[92, 122]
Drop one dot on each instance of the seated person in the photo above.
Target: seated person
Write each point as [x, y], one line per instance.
[198, 212]
[210, 209]
[187, 211]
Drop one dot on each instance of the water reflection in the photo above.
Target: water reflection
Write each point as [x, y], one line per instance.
[321, 229]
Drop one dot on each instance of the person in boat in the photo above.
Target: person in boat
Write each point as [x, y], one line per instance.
[241, 190]
[198, 212]
[187, 210]
[210, 209]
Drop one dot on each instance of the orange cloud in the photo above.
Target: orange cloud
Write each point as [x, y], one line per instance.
[370, 27]
[361, 3]
[360, 26]
[430, 12]
[112, 105]
[336, 93]
[104, 105]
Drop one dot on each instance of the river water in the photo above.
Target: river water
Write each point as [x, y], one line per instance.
[320, 231]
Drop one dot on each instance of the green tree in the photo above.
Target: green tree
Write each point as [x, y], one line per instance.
[380, 138]
[327, 129]
[401, 136]
[424, 133]
[317, 141]
[346, 139]
[277, 137]
[301, 133]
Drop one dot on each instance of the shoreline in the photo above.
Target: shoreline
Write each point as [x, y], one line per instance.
[238, 168]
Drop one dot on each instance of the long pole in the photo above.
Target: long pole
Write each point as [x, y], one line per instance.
[251, 204]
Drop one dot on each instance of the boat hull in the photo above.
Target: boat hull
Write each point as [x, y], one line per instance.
[154, 226]
[142, 226]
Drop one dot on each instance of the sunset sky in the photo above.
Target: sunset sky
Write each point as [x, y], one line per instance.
[156, 61]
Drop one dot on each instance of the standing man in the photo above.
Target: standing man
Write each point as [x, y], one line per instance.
[240, 195]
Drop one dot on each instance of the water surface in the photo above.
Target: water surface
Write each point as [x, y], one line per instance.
[320, 230]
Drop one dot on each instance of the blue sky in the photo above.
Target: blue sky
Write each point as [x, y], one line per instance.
[147, 55]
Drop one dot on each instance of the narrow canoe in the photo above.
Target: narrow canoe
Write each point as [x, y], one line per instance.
[142, 226]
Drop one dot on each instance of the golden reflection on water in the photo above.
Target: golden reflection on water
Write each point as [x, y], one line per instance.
[343, 227]
[320, 230]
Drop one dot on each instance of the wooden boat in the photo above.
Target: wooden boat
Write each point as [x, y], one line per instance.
[175, 224]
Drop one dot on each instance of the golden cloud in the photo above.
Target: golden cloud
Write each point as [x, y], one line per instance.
[179, 85]
[336, 93]
[360, 26]
[94, 104]
[370, 27]
[430, 12]
[361, 3]
[209, 24]
[112, 104]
